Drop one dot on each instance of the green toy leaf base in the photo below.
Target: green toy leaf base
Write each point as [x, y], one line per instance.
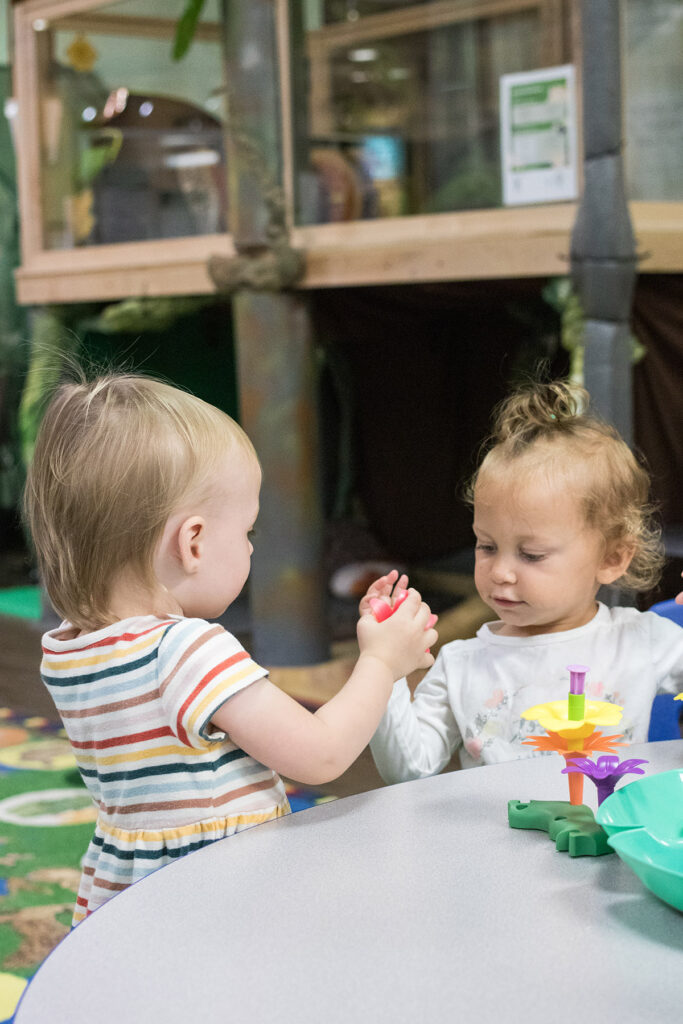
[573, 828]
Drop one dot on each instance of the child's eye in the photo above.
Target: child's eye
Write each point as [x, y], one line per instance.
[484, 547]
[529, 557]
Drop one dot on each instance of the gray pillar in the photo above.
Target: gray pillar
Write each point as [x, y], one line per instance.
[276, 362]
[279, 412]
[603, 257]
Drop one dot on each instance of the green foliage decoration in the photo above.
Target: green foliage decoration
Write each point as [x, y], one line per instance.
[56, 338]
[559, 294]
[94, 159]
[51, 343]
[186, 28]
[146, 314]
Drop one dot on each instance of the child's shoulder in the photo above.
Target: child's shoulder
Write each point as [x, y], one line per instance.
[187, 625]
[631, 620]
[194, 634]
[625, 616]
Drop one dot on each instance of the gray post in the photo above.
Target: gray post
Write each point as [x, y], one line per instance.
[276, 359]
[603, 256]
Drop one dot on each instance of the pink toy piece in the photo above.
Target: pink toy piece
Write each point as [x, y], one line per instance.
[577, 678]
[383, 610]
[380, 609]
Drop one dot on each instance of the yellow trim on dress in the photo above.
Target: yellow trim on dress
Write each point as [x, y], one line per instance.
[138, 755]
[182, 831]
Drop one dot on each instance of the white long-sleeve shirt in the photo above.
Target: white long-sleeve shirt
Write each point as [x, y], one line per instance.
[473, 697]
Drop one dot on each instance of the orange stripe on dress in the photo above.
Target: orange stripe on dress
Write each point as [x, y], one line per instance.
[117, 705]
[102, 883]
[216, 670]
[118, 741]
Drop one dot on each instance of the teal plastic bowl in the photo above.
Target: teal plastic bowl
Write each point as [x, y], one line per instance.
[654, 802]
[644, 823]
[657, 863]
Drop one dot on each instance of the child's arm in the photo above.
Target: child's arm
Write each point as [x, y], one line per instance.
[413, 739]
[316, 748]
[666, 640]
[417, 739]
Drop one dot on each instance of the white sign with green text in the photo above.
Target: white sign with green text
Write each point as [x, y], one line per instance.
[538, 136]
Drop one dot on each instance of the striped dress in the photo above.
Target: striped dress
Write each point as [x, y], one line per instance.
[136, 699]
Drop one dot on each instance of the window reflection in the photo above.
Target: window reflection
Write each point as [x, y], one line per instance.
[400, 113]
[132, 142]
[653, 79]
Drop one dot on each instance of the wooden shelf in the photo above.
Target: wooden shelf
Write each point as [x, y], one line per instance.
[174, 266]
[474, 245]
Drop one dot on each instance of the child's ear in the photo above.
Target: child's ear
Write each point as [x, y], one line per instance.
[616, 561]
[190, 538]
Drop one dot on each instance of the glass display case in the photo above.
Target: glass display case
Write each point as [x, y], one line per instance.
[122, 156]
[396, 142]
[401, 113]
[389, 140]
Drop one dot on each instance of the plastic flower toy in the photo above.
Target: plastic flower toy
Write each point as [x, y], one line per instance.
[605, 772]
[570, 725]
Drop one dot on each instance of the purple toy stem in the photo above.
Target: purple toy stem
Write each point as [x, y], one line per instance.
[577, 678]
[605, 787]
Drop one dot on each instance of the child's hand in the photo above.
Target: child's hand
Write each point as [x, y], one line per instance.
[382, 589]
[400, 640]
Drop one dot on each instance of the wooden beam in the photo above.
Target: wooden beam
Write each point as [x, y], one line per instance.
[284, 70]
[420, 18]
[480, 244]
[27, 135]
[139, 28]
[173, 266]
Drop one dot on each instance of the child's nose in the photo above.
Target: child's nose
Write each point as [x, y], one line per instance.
[502, 570]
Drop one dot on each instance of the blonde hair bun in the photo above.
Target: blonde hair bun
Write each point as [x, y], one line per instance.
[535, 410]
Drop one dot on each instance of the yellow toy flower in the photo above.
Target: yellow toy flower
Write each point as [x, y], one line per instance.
[679, 696]
[554, 717]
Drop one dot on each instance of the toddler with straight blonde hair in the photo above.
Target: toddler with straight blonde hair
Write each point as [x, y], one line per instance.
[141, 501]
[560, 509]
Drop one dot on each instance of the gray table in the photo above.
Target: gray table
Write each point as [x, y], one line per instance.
[415, 903]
